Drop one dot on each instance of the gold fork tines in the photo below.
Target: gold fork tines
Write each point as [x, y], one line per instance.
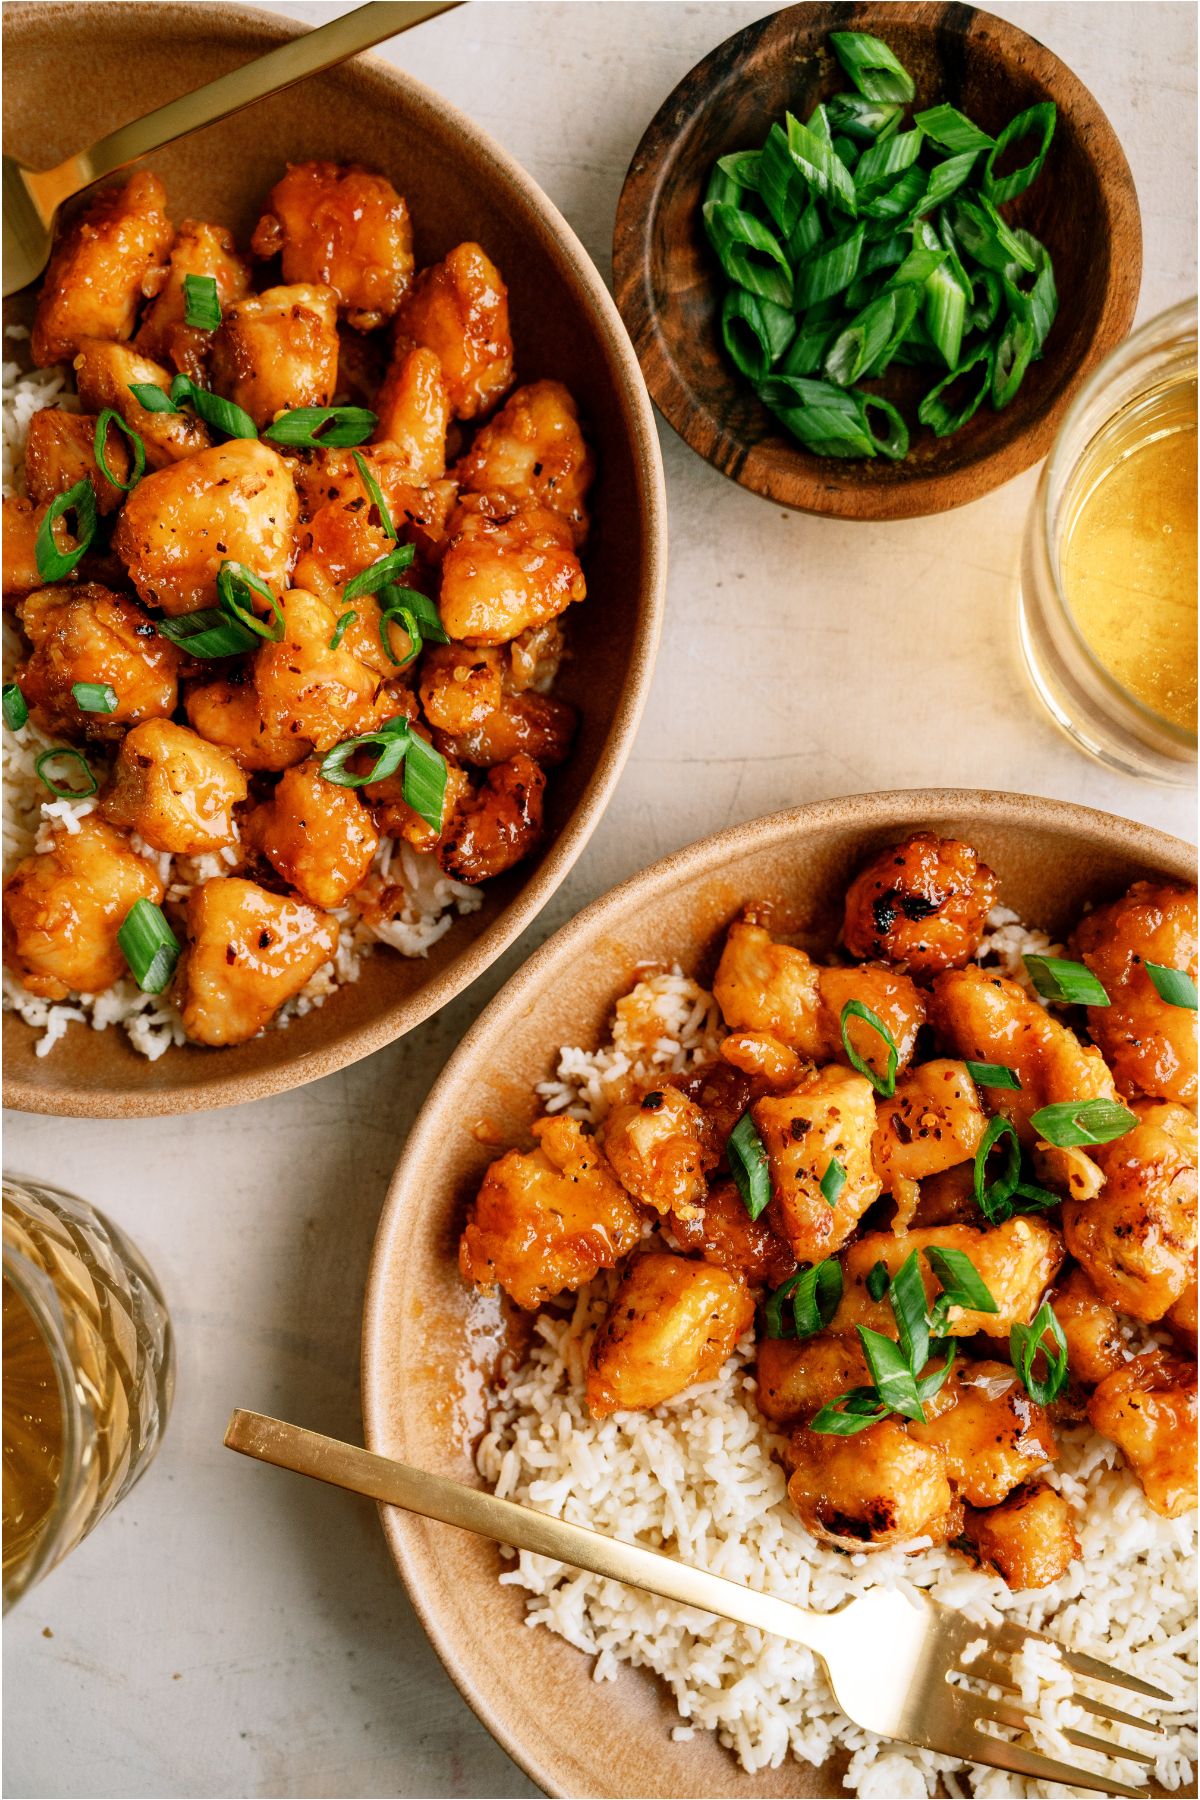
[895, 1664]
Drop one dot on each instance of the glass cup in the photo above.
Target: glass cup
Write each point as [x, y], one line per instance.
[88, 1375]
[1137, 397]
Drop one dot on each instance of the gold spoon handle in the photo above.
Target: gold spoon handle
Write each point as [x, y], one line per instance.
[435, 1497]
[299, 57]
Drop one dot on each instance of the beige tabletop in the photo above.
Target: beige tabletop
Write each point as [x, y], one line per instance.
[232, 1630]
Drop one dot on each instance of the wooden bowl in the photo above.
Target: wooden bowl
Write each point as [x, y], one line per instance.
[75, 72]
[533, 1690]
[669, 285]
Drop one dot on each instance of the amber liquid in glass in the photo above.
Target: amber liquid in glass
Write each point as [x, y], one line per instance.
[1128, 556]
[32, 1430]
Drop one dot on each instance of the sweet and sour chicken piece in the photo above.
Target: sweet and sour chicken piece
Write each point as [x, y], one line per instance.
[985, 1017]
[796, 1378]
[309, 688]
[459, 309]
[64, 906]
[990, 1433]
[21, 522]
[277, 350]
[344, 227]
[1180, 1319]
[931, 1123]
[95, 278]
[319, 837]
[174, 789]
[201, 250]
[396, 818]
[1089, 1324]
[829, 1117]
[671, 1322]
[546, 1220]
[247, 952]
[89, 634]
[495, 824]
[226, 711]
[659, 1147]
[468, 698]
[1016, 1262]
[1029, 1538]
[1149, 1046]
[508, 565]
[922, 905]
[534, 448]
[1137, 1238]
[1148, 1408]
[878, 1487]
[722, 1232]
[105, 375]
[233, 503]
[413, 408]
[60, 451]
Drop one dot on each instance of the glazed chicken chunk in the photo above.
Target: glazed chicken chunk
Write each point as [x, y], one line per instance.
[509, 565]
[105, 376]
[98, 267]
[60, 451]
[495, 824]
[876, 1488]
[932, 1122]
[310, 689]
[1148, 1408]
[829, 1119]
[1149, 1046]
[203, 250]
[468, 697]
[990, 1433]
[671, 1322]
[546, 1220]
[922, 905]
[22, 522]
[413, 407]
[64, 906]
[345, 228]
[723, 1232]
[89, 634]
[277, 350]
[534, 449]
[1137, 1238]
[1016, 1262]
[174, 789]
[659, 1148]
[1029, 1539]
[247, 953]
[796, 1378]
[318, 837]
[233, 503]
[226, 711]
[1090, 1326]
[459, 309]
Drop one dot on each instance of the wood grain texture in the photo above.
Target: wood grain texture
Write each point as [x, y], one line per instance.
[126, 58]
[533, 1690]
[669, 285]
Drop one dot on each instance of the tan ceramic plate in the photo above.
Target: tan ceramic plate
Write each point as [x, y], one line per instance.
[74, 72]
[532, 1690]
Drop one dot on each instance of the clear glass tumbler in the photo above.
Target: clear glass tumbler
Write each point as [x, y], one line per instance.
[1141, 394]
[88, 1375]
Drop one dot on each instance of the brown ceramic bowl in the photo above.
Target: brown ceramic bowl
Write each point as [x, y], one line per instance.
[669, 285]
[76, 71]
[533, 1690]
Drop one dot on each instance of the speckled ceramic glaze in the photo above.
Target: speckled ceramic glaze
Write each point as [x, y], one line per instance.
[534, 1692]
[74, 72]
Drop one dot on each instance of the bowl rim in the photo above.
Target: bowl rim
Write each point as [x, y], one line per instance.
[822, 486]
[901, 809]
[121, 1100]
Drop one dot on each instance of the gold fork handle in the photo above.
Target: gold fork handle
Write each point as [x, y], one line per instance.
[299, 57]
[451, 1502]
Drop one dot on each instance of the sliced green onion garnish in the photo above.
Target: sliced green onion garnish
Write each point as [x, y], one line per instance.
[945, 313]
[425, 775]
[16, 707]
[856, 1410]
[994, 1075]
[811, 149]
[756, 332]
[748, 1163]
[859, 346]
[984, 235]
[391, 740]
[149, 945]
[828, 420]
[1069, 1123]
[962, 1286]
[877, 1281]
[906, 1297]
[336, 427]
[749, 252]
[884, 1084]
[895, 1382]
[60, 790]
[1175, 986]
[818, 1293]
[53, 563]
[1037, 121]
[201, 302]
[892, 204]
[945, 178]
[209, 633]
[859, 117]
[952, 129]
[378, 574]
[376, 494]
[419, 616]
[235, 585]
[829, 269]
[741, 166]
[1015, 350]
[884, 163]
[875, 71]
[95, 696]
[221, 414]
[1024, 1344]
[832, 1182]
[783, 189]
[339, 631]
[946, 409]
[1071, 983]
[993, 1198]
[151, 397]
[1036, 301]
[99, 443]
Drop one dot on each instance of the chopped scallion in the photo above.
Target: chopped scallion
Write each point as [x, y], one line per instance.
[61, 790]
[1174, 986]
[16, 708]
[201, 302]
[99, 445]
[52, 561]
[149, 946]
[1069, 1123]
[1070, 983]
[748, 1163]
[95, 696]
[334, 427]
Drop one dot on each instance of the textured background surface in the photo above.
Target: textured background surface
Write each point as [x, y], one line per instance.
[231, 1630]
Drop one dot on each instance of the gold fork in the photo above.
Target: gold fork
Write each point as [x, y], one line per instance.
[32, 197]
[891, 1662]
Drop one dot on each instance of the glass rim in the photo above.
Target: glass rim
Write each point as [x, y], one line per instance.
[36, 1291]
[1173, 321]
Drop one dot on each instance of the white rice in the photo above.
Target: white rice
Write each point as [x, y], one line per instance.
[430, 899]
[700, 1477]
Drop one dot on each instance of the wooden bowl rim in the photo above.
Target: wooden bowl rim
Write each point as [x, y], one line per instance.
[244, 23]
[709, 857]
[823, 485]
